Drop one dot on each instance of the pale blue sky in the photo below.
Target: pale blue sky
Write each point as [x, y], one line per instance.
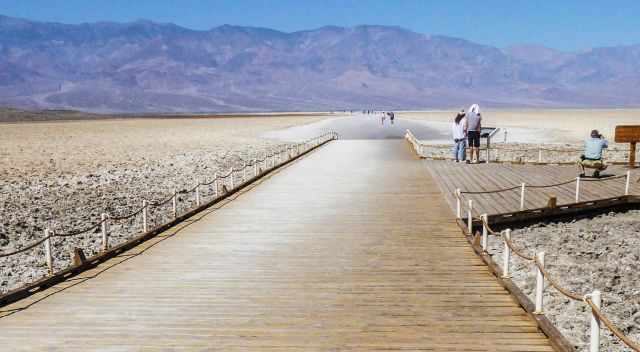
[562, 24]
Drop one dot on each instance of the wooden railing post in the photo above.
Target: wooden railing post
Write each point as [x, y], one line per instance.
[215, 184]
[506, 254]
[577, 189]
[470, 217]
[539, 284]
[539, 155]
[232, 182]
[522, 189]
[145, 216]
[485, 232]
[458, 203]
[594, 345]
[198, 194]
[175, 204]
[47, 251]
[626, 185]
[105, 238]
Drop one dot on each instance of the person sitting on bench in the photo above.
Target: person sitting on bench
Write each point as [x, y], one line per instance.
[592, 157]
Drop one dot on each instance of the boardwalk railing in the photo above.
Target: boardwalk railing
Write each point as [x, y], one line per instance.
[523, 187]
[592, 299]
[534, 155]
[222, 184]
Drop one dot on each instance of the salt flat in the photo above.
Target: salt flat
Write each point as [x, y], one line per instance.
[541, 125]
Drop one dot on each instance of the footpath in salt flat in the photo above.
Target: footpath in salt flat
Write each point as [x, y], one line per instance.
[350, 248]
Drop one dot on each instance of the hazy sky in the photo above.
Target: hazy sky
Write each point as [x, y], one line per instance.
[562, 24]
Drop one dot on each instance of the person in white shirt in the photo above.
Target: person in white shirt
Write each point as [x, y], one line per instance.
[459, 131]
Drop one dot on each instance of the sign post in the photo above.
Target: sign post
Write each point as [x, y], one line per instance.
[629, 134]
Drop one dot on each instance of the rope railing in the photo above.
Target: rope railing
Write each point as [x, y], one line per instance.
[271, 160]
[593, 299]
[536, 155]
[524, 186]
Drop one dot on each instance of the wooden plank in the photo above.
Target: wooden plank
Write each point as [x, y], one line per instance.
[496, 176]
[330, 254]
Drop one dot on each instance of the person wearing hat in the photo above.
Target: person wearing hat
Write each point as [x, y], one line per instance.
[459, 131]
[592, 157]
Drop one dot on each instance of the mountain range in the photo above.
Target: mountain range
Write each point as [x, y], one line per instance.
[145, 66]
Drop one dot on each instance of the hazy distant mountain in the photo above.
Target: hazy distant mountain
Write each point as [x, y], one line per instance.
[145, 66]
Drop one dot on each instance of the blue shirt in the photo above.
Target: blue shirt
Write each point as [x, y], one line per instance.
[593, 147]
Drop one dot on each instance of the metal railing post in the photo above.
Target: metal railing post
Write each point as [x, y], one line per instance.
[626, 185]
[594, 345]
[522, 196]
[145, 216]
[485, 232]
[470, 217]
[539, 284]
[458, 204]
[47, 251]
[577, 189]
[506, 254]
[105, 238]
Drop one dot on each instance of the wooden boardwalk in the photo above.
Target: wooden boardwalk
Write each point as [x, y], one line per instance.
[351, 248]
[486, 177]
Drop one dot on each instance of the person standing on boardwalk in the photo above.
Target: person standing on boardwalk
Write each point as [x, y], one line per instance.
[459, 130]
[474, 125]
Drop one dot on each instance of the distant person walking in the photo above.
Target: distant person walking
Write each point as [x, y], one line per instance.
[391, 116]
[474, 126]
[459, 130]
[384, 116]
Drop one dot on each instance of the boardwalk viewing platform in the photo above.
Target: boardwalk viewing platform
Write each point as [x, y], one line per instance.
[488, 177]
[352, 247]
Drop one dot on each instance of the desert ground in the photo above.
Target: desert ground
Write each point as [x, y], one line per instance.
[62, 175]
[600, 253]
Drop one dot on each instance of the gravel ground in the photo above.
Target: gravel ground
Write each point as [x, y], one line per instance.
[63, 175]
[523, 152]
[601, 253]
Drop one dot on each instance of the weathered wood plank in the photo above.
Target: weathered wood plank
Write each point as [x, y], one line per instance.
[328, 254]
[450, 176]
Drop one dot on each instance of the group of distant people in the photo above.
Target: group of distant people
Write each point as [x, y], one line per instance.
[466, 129]
[387, 114]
